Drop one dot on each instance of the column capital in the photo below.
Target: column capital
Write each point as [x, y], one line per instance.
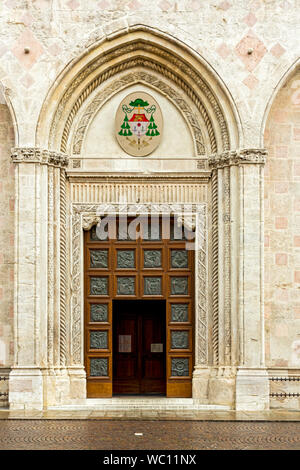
[237, 157]
[41, 156]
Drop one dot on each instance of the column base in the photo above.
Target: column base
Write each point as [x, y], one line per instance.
[214, 386]
[252, 389]
[222, 386]
[200, 384]
[25, 388]
[63, 386]
[38, 389]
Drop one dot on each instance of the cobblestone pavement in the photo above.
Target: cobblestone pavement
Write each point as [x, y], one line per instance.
[119, 435]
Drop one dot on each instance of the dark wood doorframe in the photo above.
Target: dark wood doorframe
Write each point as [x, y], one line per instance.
[143, 269]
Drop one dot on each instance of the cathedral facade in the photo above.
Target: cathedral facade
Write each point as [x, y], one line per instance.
[178, 122]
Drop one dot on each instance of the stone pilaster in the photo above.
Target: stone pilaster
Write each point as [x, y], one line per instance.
[37, 278]
[252, 385]
[237, 374]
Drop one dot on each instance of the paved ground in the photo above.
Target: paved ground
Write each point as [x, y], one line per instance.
[119, 435]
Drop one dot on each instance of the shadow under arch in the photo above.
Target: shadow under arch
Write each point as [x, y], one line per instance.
[143, 48]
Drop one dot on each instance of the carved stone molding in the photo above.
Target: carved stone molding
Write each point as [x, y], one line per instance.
[84, 216]
[215, 268]
[178, 71]
[37, 155]
[189, 222]
[238, 157]
[89, 220]
[130, 79]
[64, 259]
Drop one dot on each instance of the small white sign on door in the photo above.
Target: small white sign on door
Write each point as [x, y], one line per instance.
[124, 343]
[157, 347]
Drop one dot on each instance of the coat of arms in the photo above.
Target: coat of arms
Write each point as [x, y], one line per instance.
[138, 124]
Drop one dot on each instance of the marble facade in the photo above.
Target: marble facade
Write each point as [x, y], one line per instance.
[234, 163]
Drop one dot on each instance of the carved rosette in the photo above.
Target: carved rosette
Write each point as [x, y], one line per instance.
[41, 156]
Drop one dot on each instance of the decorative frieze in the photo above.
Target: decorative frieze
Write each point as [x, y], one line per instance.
[156, 191]
[37, 155]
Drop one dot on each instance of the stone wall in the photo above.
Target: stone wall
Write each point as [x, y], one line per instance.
[282, 228]
[250, 44]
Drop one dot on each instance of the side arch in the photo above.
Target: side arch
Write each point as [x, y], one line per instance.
[293, 69]
[281, 215]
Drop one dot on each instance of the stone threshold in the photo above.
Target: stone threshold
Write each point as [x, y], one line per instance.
[139, 403]
[74, 413]
[148, 408]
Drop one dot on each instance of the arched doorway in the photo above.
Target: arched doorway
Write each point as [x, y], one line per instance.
[77, 110]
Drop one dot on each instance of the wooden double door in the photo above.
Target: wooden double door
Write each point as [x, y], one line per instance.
[139, 342]
[139, 312]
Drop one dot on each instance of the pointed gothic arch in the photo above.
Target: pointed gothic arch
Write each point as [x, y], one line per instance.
[141, 53]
